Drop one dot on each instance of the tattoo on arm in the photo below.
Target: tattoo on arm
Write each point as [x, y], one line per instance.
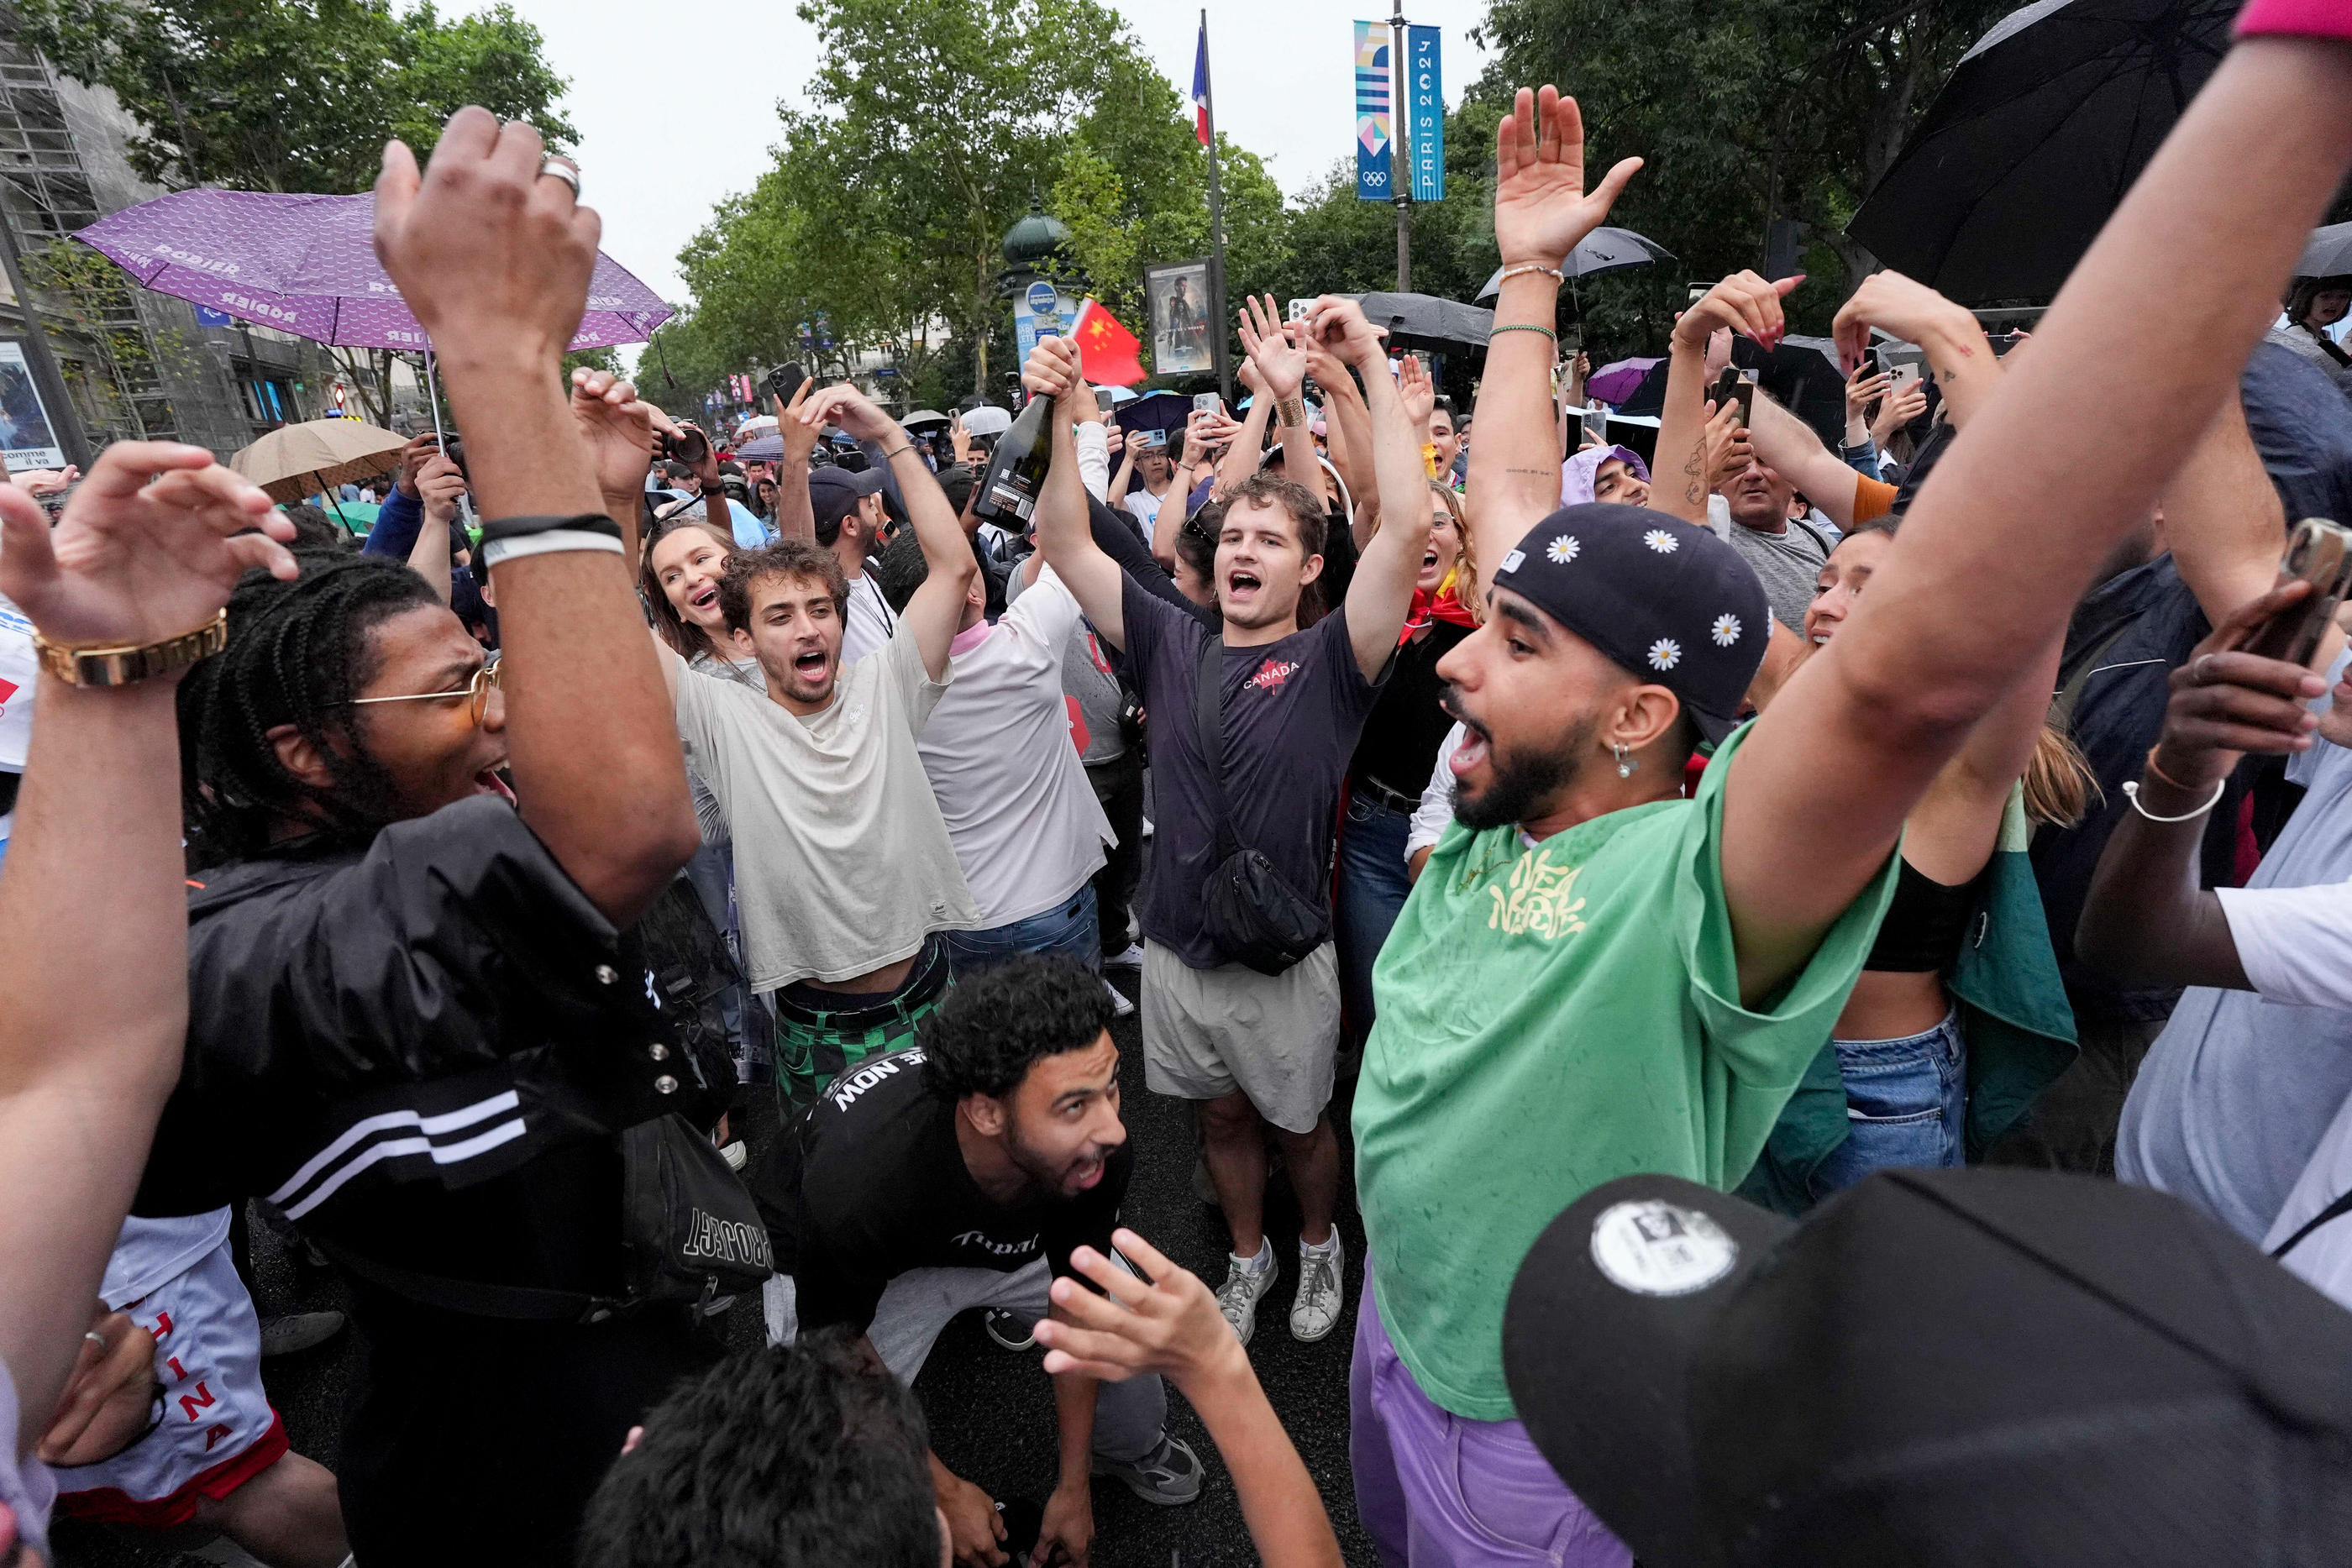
[1526, 471]
[1947, 377]
[1692, 491]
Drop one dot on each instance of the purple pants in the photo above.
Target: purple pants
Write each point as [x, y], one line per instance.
[1437, 1490]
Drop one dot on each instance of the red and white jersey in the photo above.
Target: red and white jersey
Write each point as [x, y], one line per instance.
[175, 1279]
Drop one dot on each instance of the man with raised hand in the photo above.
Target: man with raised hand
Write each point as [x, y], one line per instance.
[845, 873]
[1593, 978]
[1252, 1043]
[417, 1017]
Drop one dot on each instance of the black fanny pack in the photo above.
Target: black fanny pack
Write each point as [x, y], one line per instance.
[1256, 918]
[691, 1231]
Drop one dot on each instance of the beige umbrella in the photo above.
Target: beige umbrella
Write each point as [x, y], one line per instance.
[298, 460]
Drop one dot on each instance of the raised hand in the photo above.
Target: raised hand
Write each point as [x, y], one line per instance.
[492, 257]
[1542, 210]
[1744, 302]
[149, 547]
[847, 407]
[1898, 411]
[1725, 445]
[619, 430]
[1169, 1325]
[439, 487]
[44, 481]
[961, 438]
[1052, 369]
[799, 439]
[1909, 311]
[420, 450]
[1420, 393]
[2227, 702]
[1281, 364]
[1863, 388]
[1340, 323]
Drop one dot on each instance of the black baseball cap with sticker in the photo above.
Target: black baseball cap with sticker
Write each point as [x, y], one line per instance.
[1664, 598]
[2012, 1369]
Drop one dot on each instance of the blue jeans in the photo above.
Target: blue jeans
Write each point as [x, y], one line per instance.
[1068, 930]
[1907, 1104]
[1373, 887]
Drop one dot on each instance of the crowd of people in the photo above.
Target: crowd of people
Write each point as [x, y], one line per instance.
[1697, 858]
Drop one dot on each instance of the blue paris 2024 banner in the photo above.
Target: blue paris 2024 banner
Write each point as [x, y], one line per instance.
[1372, 156]
[1425, 111]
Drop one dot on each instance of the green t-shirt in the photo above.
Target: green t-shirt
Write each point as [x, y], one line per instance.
[1550, 1018]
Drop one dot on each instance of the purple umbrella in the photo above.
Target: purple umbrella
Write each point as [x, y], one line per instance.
[1615, 383]
[306, 265]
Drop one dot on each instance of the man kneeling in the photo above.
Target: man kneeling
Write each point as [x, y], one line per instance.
[962, 1173]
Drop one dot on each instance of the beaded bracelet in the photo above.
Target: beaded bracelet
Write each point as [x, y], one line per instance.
[1555, 274]
[1526, 327]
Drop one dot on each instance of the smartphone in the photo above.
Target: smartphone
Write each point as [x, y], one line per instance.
[1208, 403]
[1902, 378]
[1103, 399]
[2320, 553]
[1697, 292]
[1297, 310]
[2003, 343]
[785, 380]
[1737, 385]
[1152, 440]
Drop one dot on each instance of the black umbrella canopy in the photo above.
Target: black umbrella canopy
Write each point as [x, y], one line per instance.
[2029, 146]
[1603, 250]
[1424, 321]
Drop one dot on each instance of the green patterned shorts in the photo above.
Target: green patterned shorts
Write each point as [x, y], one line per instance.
[820, 1033]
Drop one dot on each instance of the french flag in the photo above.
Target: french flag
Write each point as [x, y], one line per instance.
[1201, 84]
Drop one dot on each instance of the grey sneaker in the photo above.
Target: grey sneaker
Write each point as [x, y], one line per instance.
[1237, 1297]
[1169, 1475]
[1130, 957]
[299, 1332]
[1314, 1311]
[1008, 1332]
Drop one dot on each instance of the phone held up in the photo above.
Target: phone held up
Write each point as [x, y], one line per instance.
[2318, 553]
[1208, 403]
[784, 381]
[1738, 386]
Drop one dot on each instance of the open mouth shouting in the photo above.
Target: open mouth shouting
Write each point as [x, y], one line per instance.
[1242, 587]
[492, 780]
[706, 600]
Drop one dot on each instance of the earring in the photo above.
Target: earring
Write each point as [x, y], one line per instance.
[1626, 765]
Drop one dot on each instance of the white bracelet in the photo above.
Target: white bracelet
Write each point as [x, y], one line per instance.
[553, 539]
[2131, 793]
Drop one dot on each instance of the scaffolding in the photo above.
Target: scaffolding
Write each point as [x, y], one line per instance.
[105, 339]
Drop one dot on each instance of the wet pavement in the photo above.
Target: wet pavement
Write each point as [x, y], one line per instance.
[991, 1411]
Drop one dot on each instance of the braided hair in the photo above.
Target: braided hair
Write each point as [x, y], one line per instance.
[297, 654]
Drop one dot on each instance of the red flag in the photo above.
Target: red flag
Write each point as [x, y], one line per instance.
[1107, 350]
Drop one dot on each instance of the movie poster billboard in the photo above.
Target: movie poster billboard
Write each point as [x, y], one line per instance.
[1178, 293]
[25, 439]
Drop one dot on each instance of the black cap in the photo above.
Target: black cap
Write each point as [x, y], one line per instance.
[834, 494]
[1990, 1368]
[1667, 600]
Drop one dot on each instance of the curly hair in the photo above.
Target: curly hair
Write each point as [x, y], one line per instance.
[799, 1455]
[787, 558]
[297, 654]
[989, 1029]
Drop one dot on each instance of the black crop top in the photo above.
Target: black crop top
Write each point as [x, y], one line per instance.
[1925, 923]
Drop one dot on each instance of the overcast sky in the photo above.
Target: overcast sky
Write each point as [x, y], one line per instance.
[662, 139]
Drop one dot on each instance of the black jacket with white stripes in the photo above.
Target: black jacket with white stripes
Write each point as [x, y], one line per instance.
[420, 1050]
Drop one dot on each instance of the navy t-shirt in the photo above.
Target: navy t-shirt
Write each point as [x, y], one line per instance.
[1293, 710]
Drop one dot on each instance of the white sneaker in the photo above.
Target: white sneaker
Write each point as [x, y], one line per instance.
[1130, 959]
[1120, 1006]
[1237, 1297]
[1314, 1311]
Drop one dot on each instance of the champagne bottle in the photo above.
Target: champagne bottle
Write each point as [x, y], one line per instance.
[1016, 473]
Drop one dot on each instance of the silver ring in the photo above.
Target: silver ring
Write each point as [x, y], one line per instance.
[556, 166]
[95, 1338]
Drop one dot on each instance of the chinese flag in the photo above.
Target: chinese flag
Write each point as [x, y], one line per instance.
[1107, 350]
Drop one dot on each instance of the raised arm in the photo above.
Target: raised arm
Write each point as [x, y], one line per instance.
[1380, 594]
[437, 486]
[1245, 449]
[1960, 356]
[796, 513]
[1064, 536]
[1170, 1325]
[2224, 523]
[1983, 571]
[1744, 303]
[493, 259]
[1541, 212]
[1281, 366]
[937, 609]
[2146, 920]
[94, 890]
[1348, 424]
[1786, 445]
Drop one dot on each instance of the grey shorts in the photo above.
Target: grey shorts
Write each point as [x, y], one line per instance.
[1276, 1037]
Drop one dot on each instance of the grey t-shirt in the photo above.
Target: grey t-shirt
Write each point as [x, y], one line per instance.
[1292, 711]
[1788, 564]
[2235, 1093]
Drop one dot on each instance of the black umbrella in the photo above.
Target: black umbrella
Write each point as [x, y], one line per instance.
[1602, 250]
[2329, 254]
[1424, 321]
[2029, 146]
[1152, 411]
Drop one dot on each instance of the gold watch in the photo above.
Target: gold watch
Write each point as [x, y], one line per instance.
[125, 663]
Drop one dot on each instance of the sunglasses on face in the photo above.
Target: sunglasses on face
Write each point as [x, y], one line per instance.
[476, 692]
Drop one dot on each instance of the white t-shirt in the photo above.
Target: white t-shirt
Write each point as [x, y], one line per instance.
[870, 622]
[1143, 507]
[18, 667]
[842, 864]
[2294, 943]
[1436, 807]
[1005, 767]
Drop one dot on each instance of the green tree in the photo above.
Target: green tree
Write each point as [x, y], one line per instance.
[1770, 108]
[293, 95]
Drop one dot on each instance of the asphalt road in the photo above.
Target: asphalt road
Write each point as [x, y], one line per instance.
[991, 1412]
